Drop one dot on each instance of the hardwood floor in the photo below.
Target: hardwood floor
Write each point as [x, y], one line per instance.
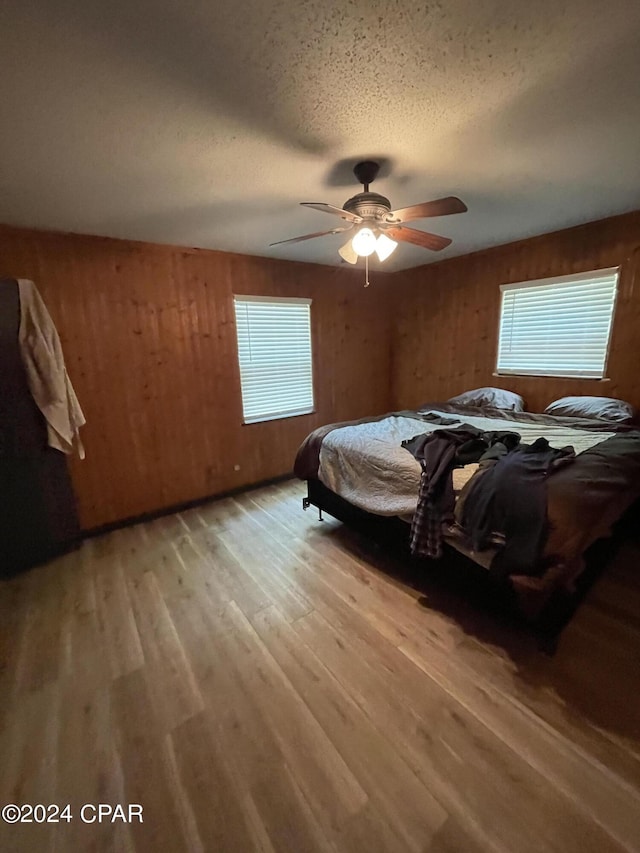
[260, 681]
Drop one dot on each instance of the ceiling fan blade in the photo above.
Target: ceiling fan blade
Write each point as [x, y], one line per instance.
[329, 208]
[311, 236]
[438, 207]
[418, 238]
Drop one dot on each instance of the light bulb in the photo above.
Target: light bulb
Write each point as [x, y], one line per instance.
[384, 246]
[348, 253]
[364, 243]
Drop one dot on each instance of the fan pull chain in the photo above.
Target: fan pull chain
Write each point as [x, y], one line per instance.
[366, 271]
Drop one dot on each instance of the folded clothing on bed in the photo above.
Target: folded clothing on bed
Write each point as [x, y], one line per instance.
[439, 452]
[508, 497]
[505, 501]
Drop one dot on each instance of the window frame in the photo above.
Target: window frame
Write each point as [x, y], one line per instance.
[274, 416]
[559, 280]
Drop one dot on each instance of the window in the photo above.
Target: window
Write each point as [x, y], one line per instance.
[557, 326]
[274, 351]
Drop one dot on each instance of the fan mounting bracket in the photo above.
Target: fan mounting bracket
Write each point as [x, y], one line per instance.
[366, 172]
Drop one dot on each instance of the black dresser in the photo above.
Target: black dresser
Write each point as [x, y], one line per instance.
[38, 517]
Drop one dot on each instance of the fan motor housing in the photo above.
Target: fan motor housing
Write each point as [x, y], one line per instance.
[368, 205]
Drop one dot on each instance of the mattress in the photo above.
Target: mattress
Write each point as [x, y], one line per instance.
[367, 465]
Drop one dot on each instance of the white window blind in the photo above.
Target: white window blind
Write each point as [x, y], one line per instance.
[557, 326]
[274, 351]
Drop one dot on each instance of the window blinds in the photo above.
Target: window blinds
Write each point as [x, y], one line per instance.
[274, 351]
[557, 327]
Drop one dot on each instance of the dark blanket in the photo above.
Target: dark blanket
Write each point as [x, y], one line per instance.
[508, 497]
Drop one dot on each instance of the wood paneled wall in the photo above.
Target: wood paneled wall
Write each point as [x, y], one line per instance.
[149, 338]
[446, 330]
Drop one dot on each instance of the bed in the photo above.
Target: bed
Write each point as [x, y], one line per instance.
[359, 470]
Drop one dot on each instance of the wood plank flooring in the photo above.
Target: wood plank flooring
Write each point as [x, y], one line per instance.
[261, 681]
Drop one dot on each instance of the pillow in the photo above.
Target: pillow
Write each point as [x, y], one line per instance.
[494, 398]
[602, 408]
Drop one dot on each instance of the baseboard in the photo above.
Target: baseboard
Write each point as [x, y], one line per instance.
[170, 510]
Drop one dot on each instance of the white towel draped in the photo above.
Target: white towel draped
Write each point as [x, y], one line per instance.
[46, 372]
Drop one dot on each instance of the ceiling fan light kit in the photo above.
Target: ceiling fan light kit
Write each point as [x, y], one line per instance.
[348, 253]
[364, 242]
[380, 228]
[384, 246]
[361, 247]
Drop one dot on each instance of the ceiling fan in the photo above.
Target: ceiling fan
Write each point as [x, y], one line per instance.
[378, 228]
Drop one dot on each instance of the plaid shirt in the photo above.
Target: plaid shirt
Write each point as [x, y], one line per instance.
[437, 453]
[426, 528]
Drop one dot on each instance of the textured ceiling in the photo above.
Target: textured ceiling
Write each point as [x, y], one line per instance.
[204, 123]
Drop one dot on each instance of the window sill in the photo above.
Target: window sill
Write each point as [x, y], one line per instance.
[279, 417]
[553, 376]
